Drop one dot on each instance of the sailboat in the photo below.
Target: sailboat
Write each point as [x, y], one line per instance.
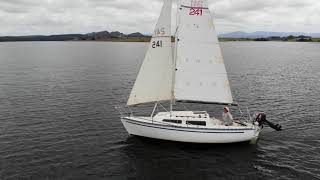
[190, 70]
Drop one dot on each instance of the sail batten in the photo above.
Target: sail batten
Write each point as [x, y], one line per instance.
[183, 6]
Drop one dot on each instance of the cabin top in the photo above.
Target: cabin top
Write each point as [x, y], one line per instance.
[184, 114]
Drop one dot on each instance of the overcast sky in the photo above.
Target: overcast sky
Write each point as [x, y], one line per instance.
[27, 17]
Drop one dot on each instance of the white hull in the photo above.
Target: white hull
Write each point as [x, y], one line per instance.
[218, 134]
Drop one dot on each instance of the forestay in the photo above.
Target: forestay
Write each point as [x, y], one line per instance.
[154, 81]
[200, 71]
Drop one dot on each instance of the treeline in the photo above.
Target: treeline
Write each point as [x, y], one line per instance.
[64, 37]
[290, 38]
[300, 38]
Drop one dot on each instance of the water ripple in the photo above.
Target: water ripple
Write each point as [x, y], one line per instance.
[57, 116]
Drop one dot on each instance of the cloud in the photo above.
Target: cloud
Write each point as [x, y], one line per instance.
[25, 17]
[268, 15]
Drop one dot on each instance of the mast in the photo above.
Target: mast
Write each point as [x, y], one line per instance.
[175, 56]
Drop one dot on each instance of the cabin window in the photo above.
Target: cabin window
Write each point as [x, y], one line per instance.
[198, 113]
[172, 121]
[197, 123]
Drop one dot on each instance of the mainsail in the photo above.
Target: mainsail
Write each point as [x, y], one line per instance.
[200, 71]
[154, 81]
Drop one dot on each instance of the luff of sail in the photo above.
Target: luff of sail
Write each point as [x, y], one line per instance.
[200, 71]
[154, 81]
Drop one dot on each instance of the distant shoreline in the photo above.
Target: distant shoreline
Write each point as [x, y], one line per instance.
[149, 39]
[94, 36]
[283, 39]
[116, 36]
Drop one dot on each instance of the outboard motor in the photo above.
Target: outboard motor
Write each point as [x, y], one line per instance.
[261, 118]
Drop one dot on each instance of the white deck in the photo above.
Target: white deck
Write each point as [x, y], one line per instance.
[186, 116]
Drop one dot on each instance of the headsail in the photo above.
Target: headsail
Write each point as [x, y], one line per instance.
[154, 81]
[200, 71]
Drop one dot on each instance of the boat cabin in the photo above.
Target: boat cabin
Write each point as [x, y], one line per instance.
[187, 119]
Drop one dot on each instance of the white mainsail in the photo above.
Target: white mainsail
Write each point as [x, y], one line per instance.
[200, 71]
[154, 81]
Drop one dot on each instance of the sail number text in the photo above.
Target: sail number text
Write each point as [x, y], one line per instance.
[196, 8]
[160, 32]
[156, 44]
[195, 12]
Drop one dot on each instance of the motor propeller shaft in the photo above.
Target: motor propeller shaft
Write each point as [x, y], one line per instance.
[276, 127]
